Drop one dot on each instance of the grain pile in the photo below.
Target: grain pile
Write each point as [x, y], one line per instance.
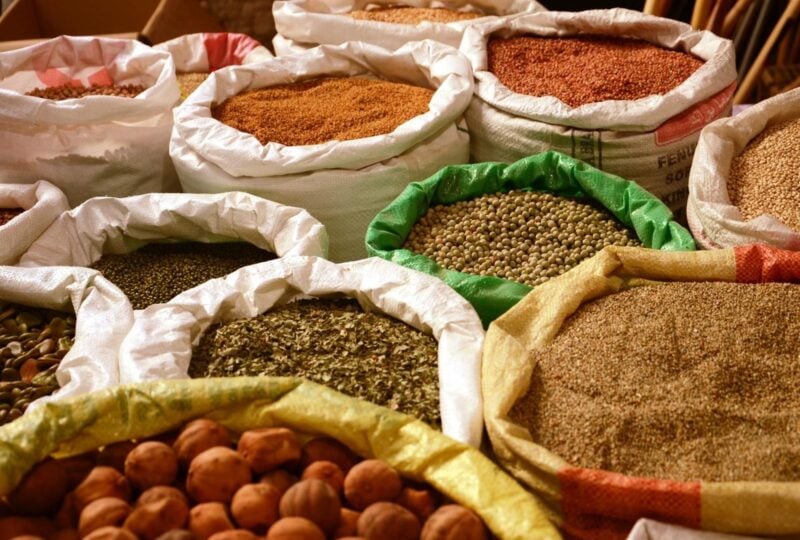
[413, 15]
[155, 273]
[188, 82]
[686, 381]
[331, 342]
[524, 236]
[765, 177]
[7, 214]
[59, 93]
[581, 70]
[322, 110]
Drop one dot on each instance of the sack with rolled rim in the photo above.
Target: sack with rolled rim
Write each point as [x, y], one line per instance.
[42, 203]
[649, 140]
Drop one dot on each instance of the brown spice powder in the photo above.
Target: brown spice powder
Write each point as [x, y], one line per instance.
[764, 178]
[581, 70]
[686, 381]
[59, 93]
[7, 214]
[412, 15]
[321, 110]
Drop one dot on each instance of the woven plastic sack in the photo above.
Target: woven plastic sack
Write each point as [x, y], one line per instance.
[649, 140]
[108, 225]
[159, 345]
[550, 172]
[714, 221]
[317, 22]
[341, 183]
[96, 145]
[649, 529]
[591, 503]
[42, 202]
[103, 317]
[410, 446]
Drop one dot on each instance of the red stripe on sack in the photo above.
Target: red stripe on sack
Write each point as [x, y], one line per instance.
[759, 263]
[603, 505]
[224, 49]
[694, 118]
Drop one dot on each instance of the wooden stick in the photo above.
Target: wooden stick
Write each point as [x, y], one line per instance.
[700, 13]
[665, 5]
[785, 44]
[732, 18]
[715, 20]
[651, 7]
[751, 78]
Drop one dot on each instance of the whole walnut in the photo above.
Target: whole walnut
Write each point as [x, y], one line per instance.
[453, 522]
[388, 521]
[371, 481]
[206, 519]
[198, 436]
[13, 526]
[268, 448]
[328, 449]
[348, 523]
[151, 464]
[327, 471]
[177, 534]
[156, 493]
[295, 528]
[111, 533]
[420, 502]
[41, 491]
[101, 482]
[314, 500]
[216, 474]
[279, 479]
[235, 534]
[255, 506]
[151, 520]
[105, 512]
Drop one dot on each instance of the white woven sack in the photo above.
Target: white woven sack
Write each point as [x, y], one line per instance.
[649, 529]
[326, 22]
[103, 317]
[207, 52]
[714, 221]
[42, 202]
[107, 225]
[96, 145]
[344, 184]
[159, 345]
[649, 140]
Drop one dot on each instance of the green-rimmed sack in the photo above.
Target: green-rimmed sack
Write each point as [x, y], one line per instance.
[551, 172]
[459, 471]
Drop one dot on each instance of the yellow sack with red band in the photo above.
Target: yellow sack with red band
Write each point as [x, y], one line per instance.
[592, 503]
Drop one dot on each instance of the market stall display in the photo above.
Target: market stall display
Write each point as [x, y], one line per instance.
[306, 23]
[112, 142]
[26, 210]
[60, 333]
[197, 55]
[385, 350]
[156, 246]
[626, 92]
[343, 183]
[743, 184]
[694, 375]
[328, 425]
[492, 231]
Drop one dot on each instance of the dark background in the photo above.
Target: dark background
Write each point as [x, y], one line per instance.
[680, 9]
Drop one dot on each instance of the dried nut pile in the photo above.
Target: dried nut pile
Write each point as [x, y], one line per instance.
[322, 110]
[413, 15]
[188, 82]
[156, 273]
[524, 236]
[581, 70]
[764, 177]
[72, 92]
[7, 214]
[32, 344]
[332, 342]
[196, 486]
[685, 381]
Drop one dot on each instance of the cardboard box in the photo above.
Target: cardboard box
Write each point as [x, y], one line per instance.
[26, 22]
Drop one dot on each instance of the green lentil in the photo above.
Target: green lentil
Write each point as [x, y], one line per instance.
[524, 236]
[156, 273]
[684, 381]
[332, 342]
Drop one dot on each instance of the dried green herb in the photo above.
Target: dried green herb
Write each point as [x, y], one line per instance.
[331, 342]
[156, 273]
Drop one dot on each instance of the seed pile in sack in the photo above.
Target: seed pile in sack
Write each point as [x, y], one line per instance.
[743, 185]
[7, 214]
[651, 384]
[494, 230]
[336, 130]
[92, 115]
[248, 459]
[303, 24]
[26, 210]
[624, 91]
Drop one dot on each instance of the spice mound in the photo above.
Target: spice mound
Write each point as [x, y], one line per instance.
[412, 15]
[764, 177]
[59, 93]
[332, 342]
[203, 486]
[7, 214]
[188, 82]
[685, 381]
[524, 236]
[32, 344]
[156, 273]
[322, 110]
[581, 70]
